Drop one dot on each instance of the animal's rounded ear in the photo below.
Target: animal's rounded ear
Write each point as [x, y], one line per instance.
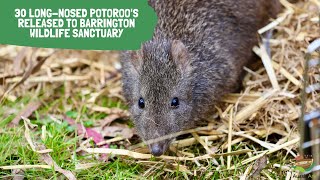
[180, 55]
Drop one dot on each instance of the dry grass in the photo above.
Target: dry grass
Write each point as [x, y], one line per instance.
[261, 120]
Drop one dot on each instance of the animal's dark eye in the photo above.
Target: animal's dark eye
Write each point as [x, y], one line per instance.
[175, 102]
[141, 103]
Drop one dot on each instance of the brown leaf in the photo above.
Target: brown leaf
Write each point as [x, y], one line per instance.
[118, 130]
[87, 132]
[26, 112]
[121, 112]
[40, 61]
[43, 151]
[48, 159]
[109, 119]
[259, 165]
[27, 135]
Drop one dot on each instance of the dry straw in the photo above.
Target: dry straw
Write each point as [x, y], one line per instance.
[268, 105]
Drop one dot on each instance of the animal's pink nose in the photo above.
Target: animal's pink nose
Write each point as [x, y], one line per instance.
[157, 149]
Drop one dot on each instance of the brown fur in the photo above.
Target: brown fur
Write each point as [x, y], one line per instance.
[197, 54]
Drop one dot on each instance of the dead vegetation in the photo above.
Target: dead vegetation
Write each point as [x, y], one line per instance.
[260, 121]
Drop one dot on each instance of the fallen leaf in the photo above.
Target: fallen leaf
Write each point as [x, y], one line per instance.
[259, 165]
[123, 113]
[109, 119]
[72, 122]
[87, 132]
[27, 135]
[97, 137]
[43, 152]
[48, 159]
[117, 130]
[26, 112]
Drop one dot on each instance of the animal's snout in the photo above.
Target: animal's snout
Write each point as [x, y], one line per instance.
[157, 149]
